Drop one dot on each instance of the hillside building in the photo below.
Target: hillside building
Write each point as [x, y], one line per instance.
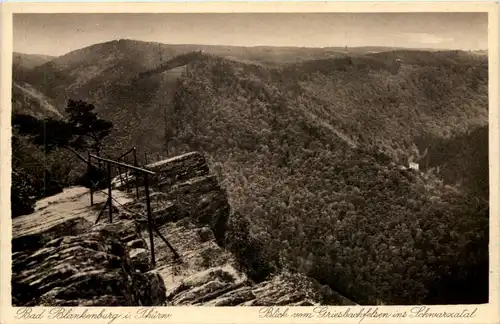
[413, 166]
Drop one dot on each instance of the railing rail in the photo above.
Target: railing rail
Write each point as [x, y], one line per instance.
[126, 153]
[128, 166]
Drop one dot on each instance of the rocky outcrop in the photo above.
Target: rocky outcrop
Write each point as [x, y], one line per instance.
[191, 211]
[183, 187]
[69, 261]
[61, 257]
[91, 269]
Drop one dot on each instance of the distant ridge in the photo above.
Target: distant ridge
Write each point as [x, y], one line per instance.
[29, 61]
[213, 47]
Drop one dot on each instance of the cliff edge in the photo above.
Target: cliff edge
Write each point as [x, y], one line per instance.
[62, 257]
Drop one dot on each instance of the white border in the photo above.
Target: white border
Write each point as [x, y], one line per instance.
[485, 314]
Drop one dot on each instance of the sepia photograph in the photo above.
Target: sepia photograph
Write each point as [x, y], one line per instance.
[250, 159]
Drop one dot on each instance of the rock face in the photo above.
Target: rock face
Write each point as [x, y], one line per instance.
[60, 257]
[184, 187]
[68, 261]
[91, 269]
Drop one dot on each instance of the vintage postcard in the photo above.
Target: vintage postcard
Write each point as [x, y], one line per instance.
[250, 163]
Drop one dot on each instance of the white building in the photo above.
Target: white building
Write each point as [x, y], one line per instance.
[414, 166]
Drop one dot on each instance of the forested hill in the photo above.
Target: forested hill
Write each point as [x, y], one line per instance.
[89, 70]
[313, 156]
[391, 98]
[29, 61]
[382, 99]
[346, 214]
[461, 159]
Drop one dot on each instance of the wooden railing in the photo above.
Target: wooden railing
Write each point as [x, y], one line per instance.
[109, 202]
[120, 158]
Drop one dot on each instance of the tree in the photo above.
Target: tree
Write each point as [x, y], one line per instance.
[81, 130]
[87, 130]
[43, 168]
[23, 187]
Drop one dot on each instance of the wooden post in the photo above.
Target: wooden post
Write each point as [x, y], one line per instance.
[150, 219]
[120, 172]
[89, 170]
[176, 255]
[126, 173]
[102, 211]
[145, 158]
[136, 178]
[109, 194]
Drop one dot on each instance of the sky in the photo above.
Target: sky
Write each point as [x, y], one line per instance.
[58, 34]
